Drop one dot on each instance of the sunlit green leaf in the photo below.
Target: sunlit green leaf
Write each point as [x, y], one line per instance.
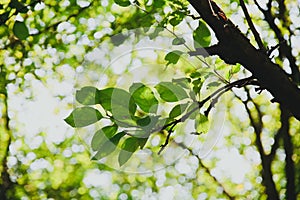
[102, 135]
[88, 95]
[193, 106]
[235, 68]
[195, 75]
[109, 146]
[120, 103]
[129, 146]
[110, 97]
[201, 36]
[178, 110]
[214, 84]
[173, 57]
[144, 97]
[228, 75]
[170, 92]
[83, 116]
[20, 30]
[183, 82]
[178, 41]
[175, 21]
[202, 124]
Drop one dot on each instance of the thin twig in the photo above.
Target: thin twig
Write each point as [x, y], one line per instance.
[259, 7]
[172, 32]
[252, 27]
[215, 95]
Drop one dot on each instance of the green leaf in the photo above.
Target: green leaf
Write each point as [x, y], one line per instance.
[159, 3]
[123, 3]
[147, 123]
[88, 95]
[175, 21]
[109, 146]
[183, 82]
[191, 107]
[235, 68]
[144, 97]
[213, 84]
[178, 41]
[129, 146]
[170, 92]
[201, 36]
[156, 31]
[178, 110]
[202, 124]
[142, 141]
[228, 75]
[20, 30]
[195, 75]
[193, 95]
[83, 116]
[144, 121]
[197, 84]
[173, 57]
[116, 96]
[176, 17]
[120, 103]
[102, 135]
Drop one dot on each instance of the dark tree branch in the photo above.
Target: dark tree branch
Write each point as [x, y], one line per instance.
[275, 146]
[273, 48]
[288, 149]
[257, 125]
[252, 27]
[236, 48]
[283, 15]
[285, 50]
[206, 51]
[163, 146]
[259, 7]
[214, 97]
[267, 174]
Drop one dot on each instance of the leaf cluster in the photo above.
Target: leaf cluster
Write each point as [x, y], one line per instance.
[134, 114]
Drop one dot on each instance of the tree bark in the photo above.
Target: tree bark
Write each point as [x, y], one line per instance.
[289, 151]
[234, 47]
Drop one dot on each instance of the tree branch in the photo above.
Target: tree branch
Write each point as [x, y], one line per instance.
[252, 27]
[236, 48]
[214, 97]
[285, 50]
[267, 174]
[289, 151]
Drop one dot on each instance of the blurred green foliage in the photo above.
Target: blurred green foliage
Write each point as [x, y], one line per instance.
[48, 42]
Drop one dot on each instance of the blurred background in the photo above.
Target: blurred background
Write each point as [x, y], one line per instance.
[50, 49]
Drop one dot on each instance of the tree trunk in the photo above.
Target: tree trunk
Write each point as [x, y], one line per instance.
[234, 47]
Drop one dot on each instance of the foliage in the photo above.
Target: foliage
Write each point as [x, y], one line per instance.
[49, 42]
